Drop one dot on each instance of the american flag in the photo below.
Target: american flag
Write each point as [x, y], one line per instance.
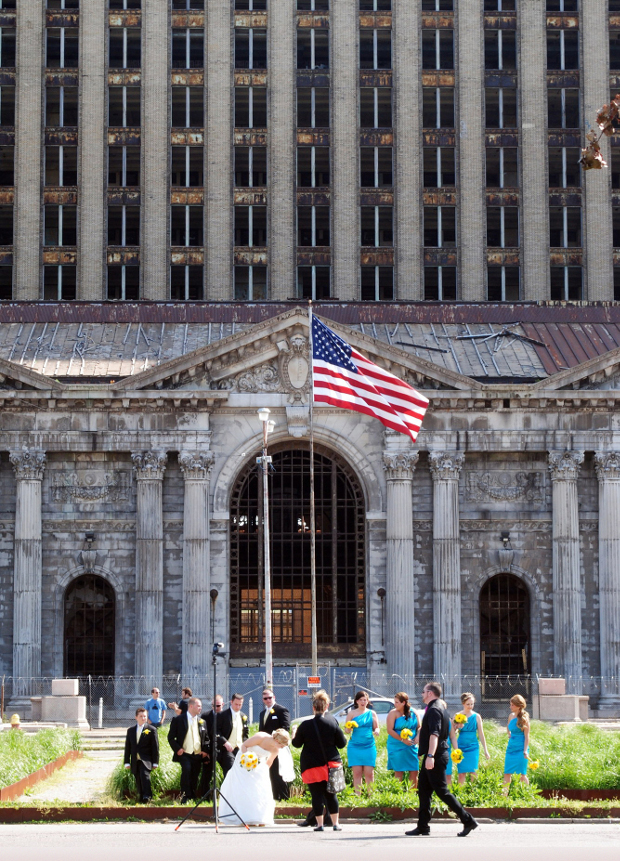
[344, 378]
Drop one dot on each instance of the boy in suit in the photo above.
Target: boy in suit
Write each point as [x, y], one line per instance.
[142, 754]
[188, 737]
[274, 717]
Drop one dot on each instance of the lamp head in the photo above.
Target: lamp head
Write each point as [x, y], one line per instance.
[264, 414]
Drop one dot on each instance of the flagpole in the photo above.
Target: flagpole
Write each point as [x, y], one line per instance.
[315, 660]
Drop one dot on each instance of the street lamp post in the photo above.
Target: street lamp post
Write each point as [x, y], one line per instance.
[265, 460]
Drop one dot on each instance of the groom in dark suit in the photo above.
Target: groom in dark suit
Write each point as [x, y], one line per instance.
[188, 737]
[142, 753]
[232, 731]
[273, 717]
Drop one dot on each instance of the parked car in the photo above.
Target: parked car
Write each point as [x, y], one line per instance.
[381, 705]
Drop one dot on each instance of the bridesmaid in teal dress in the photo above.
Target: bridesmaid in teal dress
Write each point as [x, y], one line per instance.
[403, 753]
[361, 749]
[468, 735]
[518, 742]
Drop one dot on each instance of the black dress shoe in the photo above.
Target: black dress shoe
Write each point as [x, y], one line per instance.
[418, 832]
[319, 828]
[467, 829]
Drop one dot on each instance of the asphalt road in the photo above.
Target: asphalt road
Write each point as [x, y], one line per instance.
[546, 841]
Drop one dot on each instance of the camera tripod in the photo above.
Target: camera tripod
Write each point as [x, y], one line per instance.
[214, 791]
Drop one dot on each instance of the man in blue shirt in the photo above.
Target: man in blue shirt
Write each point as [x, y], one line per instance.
[155, 709]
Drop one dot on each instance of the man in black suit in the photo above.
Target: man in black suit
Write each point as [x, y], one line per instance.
[232, 731]
[434, 749]
[273, 717]
[142, 753]
[206, 776]
[188, 737]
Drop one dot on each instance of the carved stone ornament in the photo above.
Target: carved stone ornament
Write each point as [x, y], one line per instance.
[564, 465]
[89, 560]
[445, 465]
[298, 421]
[28, 463]
[399, 465]
[196, 464]
[264, 378]
[294, 367]
[607, 465]
[91, 485]
[149, 464]
[505, 486]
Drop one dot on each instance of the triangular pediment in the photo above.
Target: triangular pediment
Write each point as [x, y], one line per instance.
[16, 377]
[599, 373]
[273, 356]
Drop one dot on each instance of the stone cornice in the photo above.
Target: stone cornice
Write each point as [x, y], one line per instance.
[28, 464]
[445, 465]
[564, 465]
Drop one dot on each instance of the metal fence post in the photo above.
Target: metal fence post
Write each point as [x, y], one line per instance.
[90, 702]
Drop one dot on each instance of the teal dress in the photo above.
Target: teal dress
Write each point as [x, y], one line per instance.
[403, 757]
[361, 749]
[516, 760]
[450, 764]
[469, 745]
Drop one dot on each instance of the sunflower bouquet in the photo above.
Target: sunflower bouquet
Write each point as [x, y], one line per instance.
[456, 755]
[248, 760]
[532, 763]
[351, 724]
[460, 719]
[406, 733]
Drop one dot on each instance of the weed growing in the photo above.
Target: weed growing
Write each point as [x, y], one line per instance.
[22, 753]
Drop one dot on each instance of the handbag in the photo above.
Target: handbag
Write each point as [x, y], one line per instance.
[335, 779]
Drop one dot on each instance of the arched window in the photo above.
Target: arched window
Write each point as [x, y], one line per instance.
[340, 558]
[89, 627]
[505, 627]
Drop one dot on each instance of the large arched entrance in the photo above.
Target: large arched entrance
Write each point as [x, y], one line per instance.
[504, 634]
[89, 627]
[340, 559]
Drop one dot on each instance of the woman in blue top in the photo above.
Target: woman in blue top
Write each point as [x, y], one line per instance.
[468, 735]
[518, 742]
[403, 752]
[361, 749]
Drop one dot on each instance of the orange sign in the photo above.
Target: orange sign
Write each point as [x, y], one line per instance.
[314, 681]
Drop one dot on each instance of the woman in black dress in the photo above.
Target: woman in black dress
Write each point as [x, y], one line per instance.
[320, 739]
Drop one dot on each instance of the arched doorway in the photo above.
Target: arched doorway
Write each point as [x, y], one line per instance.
[504, 631]
[340, 559]
[89, 634]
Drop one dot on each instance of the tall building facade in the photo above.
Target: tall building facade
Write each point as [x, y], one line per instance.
[273, 149]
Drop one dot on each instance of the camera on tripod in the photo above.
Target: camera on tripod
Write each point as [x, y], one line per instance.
[216, 650]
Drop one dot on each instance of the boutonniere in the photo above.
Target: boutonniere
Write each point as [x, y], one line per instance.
[271, 712]
[201, 722]
[145, 731]
[244, 719]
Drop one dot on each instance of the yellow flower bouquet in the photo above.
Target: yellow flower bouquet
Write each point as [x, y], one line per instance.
[351, 724]
[532, 763]
[249, 761]
[460, 719]
[456, 755]
[405, 733]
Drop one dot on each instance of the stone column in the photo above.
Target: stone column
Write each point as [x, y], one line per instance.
[28, 466]
[219, 224]
[344, 23]
[155, 147]
[149, 467]
[445, 469]
[607, 465]
[564, 469]
[535, 183]
[196, 467]
[408, 152]
[472, 210]
[400, 599]
[597, 220]
[29, 82]
[93, 19]
[282, 149]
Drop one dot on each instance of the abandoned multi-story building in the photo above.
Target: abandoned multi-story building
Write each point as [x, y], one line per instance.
[177, 179]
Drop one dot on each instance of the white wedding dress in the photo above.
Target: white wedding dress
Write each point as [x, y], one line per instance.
[249, 792]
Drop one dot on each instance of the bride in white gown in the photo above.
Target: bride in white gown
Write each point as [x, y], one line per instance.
[249, 793]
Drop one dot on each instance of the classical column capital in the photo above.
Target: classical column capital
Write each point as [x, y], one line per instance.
[196, 464]
[607, 465]
[28, 463]
[445, 465]
[399, 464]
[149, 464]
[564, 465]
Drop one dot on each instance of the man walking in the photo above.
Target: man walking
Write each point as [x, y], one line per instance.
[434, 749]
[155, 709]
[274, 717]
[188, 737]
[142, 754]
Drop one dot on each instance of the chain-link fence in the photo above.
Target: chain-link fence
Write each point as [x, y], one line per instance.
[111, 701]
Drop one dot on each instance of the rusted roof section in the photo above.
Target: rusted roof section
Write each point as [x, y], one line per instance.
[525, 341]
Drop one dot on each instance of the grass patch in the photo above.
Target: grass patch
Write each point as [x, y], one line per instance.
[571, 757]
[21, 754]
